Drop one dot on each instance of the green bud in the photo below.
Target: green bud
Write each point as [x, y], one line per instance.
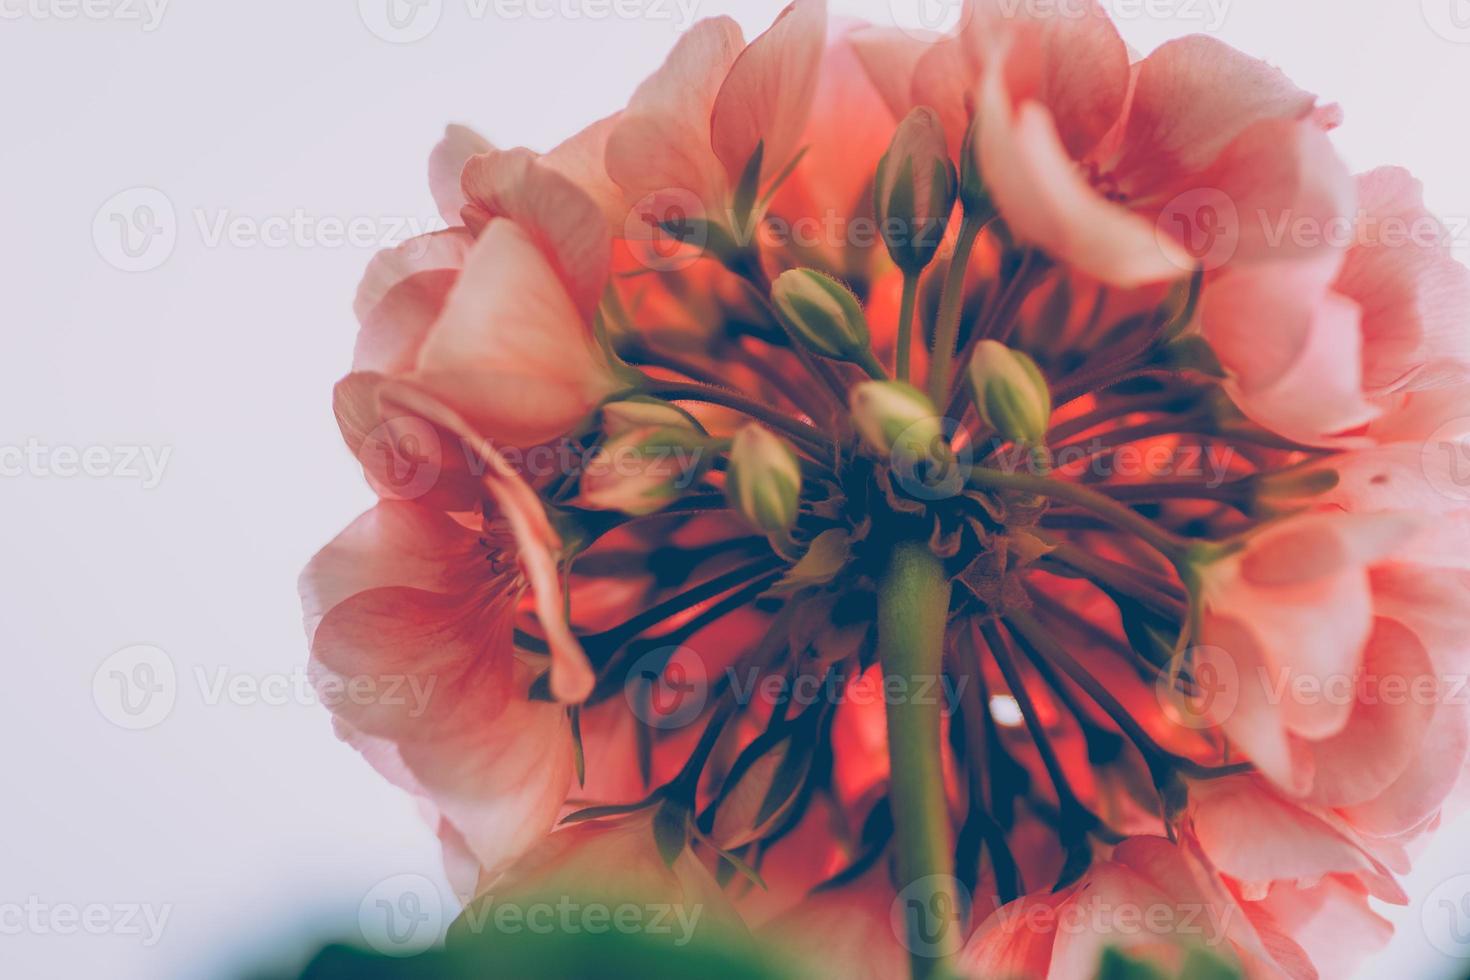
[1010, 393]
[764, 481]
[822, 313]
[641, 412]
[914, 191]
[897, 418]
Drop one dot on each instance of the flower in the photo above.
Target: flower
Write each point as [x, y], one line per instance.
[1151, 607]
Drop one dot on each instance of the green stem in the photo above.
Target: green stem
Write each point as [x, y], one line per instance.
[903, 369]
[913, 611]
[806, 435]
[947, 326]
[1170, 545]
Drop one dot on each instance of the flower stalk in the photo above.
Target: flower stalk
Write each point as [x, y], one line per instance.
[913, 609]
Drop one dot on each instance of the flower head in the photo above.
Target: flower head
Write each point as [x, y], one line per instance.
[709, 589]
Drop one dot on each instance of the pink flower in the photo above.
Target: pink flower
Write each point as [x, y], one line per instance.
[1389, 322]
[1145, 654]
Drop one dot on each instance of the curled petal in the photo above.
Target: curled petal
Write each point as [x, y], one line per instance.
[510, 352]
[446, 163]
[1046, 201]
[402, 294]
[561, 217]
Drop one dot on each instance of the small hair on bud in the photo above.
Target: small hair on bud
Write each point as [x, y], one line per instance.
[822, 313]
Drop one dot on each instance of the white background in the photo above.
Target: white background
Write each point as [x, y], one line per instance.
[247, 822]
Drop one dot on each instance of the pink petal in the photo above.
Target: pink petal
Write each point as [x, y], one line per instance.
[768, 93]
[510, 351]
[1256, 836]
[1415, 296]
[561, 217]
[889, 57]
[1395, 695]
[1290, 194]
[1279, 331]
[1044, 199]
[538, 546]
[1016, 940]
[1332, 921]
[397, 543]
[582, 159]
[1193, 97]
[661, 143]
[447, 162]
[402, 294]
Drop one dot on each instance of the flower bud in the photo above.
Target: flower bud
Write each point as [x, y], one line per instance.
[895, 418]
[914, 191]
[644, 469]
[642, 412]
[764, 481]
[973, 194]
[822, 313]
[1010, 393]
